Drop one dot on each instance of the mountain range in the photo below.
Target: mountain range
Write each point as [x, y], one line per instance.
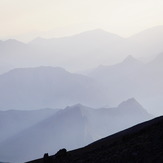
[132, 78]
[103, 86]
[26, 133]
[73, 127]
[81, 51]
[53, 87]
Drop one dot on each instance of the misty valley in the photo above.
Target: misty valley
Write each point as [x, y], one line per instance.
[72, 92]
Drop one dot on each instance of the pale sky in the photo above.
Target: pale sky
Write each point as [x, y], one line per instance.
[26, 19]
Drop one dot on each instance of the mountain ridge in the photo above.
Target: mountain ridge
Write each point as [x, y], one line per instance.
[46, 87]
[110, 47]
[72, 127]
[134, 144]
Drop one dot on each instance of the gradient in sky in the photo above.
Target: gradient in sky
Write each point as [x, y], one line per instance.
[26, 19]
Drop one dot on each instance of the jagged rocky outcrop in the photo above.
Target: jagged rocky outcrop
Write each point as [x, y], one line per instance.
[142, 143]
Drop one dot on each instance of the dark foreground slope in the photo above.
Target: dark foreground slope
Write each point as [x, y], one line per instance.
[141, 143]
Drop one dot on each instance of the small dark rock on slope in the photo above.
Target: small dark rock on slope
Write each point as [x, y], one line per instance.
[142, 143]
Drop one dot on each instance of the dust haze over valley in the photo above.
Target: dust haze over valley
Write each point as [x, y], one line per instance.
[85, 72]
[84, 105]
[72, 79]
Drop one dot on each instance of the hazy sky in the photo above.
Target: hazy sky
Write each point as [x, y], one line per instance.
[24, 19]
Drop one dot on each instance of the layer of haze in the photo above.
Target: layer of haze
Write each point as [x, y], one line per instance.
[27, 19]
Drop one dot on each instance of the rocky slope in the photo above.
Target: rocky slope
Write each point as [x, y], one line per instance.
[142, 143]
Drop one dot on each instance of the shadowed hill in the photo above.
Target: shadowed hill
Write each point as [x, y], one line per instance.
[141, 143]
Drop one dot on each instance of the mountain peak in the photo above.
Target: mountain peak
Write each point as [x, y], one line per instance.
[13, 42]
[130, 103]
[131, 106]
[130, 59]
[76, 107]
[38, 40]
[130, 100]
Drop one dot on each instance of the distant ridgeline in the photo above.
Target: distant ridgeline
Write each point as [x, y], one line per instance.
[142, 143]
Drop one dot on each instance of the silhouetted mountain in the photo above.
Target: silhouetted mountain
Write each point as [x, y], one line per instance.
[141, 143]
[71, 128]
[41, 87]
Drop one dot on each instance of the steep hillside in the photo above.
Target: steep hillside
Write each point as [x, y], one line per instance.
[142, 143]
